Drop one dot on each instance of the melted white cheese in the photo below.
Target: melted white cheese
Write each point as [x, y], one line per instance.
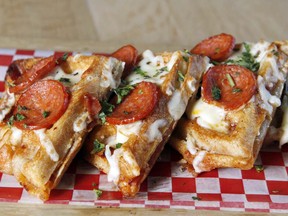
[197, 161]
[16, 136]
[153, 133]
[268, 101]
[113, 160]
[176, 105]
[47, 144]
[71, 79]
[124, 131]
[80, 123]
[284, 125]
[107, 78]
[191, 145]
[153, 67]
[129, 158]
[122, 135]
[6, 104]
[208, 116]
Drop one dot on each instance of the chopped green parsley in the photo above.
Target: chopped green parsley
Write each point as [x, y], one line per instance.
[98, 193]
[259, 168]
[20, 117]
[118, 145]
[97, 146]
[246, 59]
[139, 71]
[107, 109]
[216, 93]
[46, 114]
[196, 198]
[64, 80]
[180, 76]
[121, 92]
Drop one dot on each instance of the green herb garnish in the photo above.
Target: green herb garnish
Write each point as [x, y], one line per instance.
[98, 193]
[10, 122]
[216, 93]
[20, 108]
[214, 62]
[118, 145]
[11, 84]
[107, 109]
[62, 58]
[97, 147]
[180, 76]
[217, 50]
[45, 114]
[259, 168]
[126, 112]
[186, 58]
[20, 117]
[139, 71]
[246, 59]
[159, 71]
[64, 80]
[121, 92]
[196, 198]
[236, 90]
[230, 80]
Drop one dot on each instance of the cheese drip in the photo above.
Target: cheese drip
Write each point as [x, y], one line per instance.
[47, 144]
[122, 135]
[208, 116]
[7, 102]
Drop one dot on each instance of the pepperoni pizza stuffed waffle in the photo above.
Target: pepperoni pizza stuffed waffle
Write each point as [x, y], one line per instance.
[48, 107]
[140, 118]
[240, 92]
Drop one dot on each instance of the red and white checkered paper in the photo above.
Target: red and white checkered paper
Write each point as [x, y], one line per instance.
[167, 186]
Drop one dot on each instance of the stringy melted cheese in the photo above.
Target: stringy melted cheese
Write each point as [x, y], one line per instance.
[6, 104]
[283, 137]
[16, 136]
[208, 116]
[80, 123]
[107, 74]
[122, 135]
[154, 68]
[47, 144]
[198, 160]
[153, 133]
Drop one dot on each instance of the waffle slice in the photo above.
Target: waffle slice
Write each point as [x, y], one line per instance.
[128, 144]
[214, 134]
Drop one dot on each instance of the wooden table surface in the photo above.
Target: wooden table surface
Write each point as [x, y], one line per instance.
[103, 26]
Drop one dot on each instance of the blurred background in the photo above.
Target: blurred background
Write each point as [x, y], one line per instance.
[105, 25]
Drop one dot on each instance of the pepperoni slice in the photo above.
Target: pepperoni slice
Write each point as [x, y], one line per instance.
[41, 105]
[228, 86]
[218, 47]
[92, 105]
[36, 72]
[137, 105]
[127, 54]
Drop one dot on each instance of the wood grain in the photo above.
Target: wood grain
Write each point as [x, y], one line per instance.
[51, 209]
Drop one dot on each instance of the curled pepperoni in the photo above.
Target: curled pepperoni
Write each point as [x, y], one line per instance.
[137, 105]
[127, 54]
[23, 73]
[41, 105]
[92, 105]
[36, 72]
[218, 47]
[228, 86]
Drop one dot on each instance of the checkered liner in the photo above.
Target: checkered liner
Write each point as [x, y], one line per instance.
[167, 186]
